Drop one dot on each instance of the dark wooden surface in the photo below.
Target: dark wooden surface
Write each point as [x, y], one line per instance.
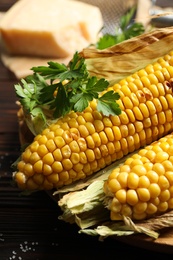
[29, 225]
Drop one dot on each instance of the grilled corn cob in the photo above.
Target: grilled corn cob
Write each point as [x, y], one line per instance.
[80, 144]
[143, 186]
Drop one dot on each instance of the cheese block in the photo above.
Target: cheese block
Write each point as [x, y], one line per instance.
[50, 28]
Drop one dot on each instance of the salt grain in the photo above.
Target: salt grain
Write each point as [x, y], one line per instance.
[23, 248]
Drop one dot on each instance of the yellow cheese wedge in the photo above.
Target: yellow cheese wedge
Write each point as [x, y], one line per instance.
[50, 28]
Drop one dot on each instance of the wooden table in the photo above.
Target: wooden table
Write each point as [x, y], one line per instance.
[29, 225]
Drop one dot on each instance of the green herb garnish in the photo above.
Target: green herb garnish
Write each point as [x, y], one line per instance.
[126, 30]
[56, 89]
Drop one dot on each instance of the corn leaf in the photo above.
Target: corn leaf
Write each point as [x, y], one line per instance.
[129, 56]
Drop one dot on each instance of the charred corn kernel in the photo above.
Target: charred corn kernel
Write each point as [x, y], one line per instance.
[146, 102]
[147, 190]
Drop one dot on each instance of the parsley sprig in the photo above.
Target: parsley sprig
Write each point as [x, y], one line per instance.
[63, 88]
[127, 29]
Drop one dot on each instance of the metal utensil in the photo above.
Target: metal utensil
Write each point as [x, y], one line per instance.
[162, 20]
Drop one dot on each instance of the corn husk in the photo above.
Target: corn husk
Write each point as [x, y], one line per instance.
[86, 208]
[123, 59]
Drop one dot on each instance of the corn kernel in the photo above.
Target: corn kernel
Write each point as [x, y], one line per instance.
[152, 176]
[143, 193]
[132, 180]
[163, 182]
[164, 195]
[121, 195]
[64, 176]
[140, 207]
[131, 197]
[122, 178]
[37, 167]
[163, 206]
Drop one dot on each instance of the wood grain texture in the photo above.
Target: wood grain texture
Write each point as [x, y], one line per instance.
[29, 225]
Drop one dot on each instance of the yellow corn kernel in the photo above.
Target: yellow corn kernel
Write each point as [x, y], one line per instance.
[88, 117]
[28, 169]
[151, 209]
[90, 127]
[109, 133]
[107, 122]
[59, 141]
[127, 102]
[83, 131]
[38, 166]
[57, 166]
[103, 137]
[131, 115]
[149, 69]
[47, 169]
[38, 179]
[131, 197]
[144, 109]
[122, 178]
[121, 196]
[134, 99]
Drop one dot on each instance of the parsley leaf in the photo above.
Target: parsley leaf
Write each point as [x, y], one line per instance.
[55, 90]
[126, 30]
[107, 104]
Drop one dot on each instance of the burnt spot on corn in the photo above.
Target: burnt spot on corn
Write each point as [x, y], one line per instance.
[169, 84]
